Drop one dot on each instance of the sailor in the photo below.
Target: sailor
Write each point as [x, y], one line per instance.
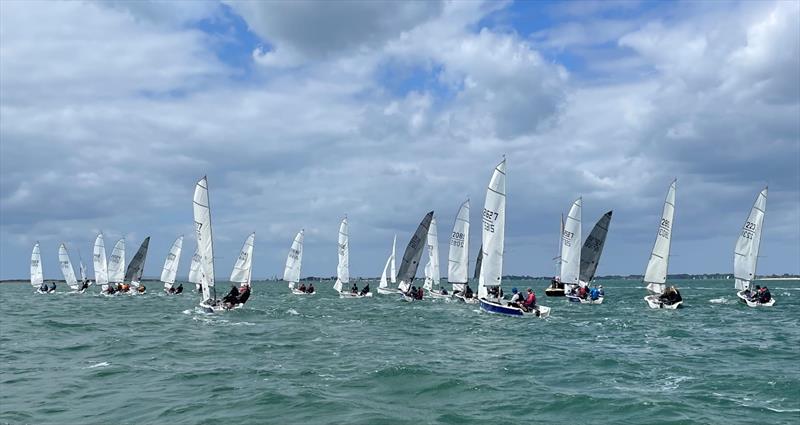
[764, 296]
[171, 290]
[420, 293]
[530, 301]
[365, 290]
[84, 285]
[594, 294]
[600, 291]
[753, 296]
[310, 289]
[179, 289]
[354, 289]
[468, 292]
[442, 290]
[43, 287]
[52, 287]
[110, 290]
[412, 292]
[244, 294]
[516, 298]
[231, 297]
[142, 288]
[582, 292]
[302, 287]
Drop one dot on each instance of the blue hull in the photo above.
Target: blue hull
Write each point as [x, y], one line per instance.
[500, 309]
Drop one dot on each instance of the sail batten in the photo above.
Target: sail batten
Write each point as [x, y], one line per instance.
[747, 245]
[656, 274]
[412, 254]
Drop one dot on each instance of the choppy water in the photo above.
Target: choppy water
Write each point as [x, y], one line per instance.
[83, 359]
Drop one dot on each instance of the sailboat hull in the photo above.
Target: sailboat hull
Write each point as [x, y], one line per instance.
[653, 301]
[299, 292]
[497, 308]
[352, 295]
[437, 295]
[554, 292]
[467, 300]
[388, 291]
[754, 304]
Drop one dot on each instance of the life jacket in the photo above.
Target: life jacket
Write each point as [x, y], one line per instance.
[531, 300]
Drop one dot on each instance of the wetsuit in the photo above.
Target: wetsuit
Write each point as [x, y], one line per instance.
[244, 295]
[232, 296]
[365, 290]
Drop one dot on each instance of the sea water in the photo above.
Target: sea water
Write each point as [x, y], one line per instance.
[90, 359]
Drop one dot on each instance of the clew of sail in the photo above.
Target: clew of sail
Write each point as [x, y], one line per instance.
[412, 254]
[493, 231]
[66, 267]
[745, 254]
[656, 274]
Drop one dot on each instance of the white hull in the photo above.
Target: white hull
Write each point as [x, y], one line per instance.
[388, 291]
[406, 298]
[754, 304]
[39, 291]
[472, 300]
[654, 302]
[591, 301]
[437, 295]
[352, 295]
[299, 292]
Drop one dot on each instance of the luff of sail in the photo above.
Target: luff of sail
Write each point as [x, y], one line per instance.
[458, 256]
[432, 277]
[136, 267]
[37, 276]
[66, 267]
[493, 219]
[412, 254]
[656, 274]
[170, 269]
[343, 249]
[202, 224]
[294, 260]
[745, 256]
[116, 263]
[99, 261]
[242, 270]
[571, 245]
[593, 248]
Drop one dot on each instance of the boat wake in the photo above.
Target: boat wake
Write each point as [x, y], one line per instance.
[101, 364]
[721, 300]
[293, 312]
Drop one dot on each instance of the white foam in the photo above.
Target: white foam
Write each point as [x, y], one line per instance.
[722, 300]
[101, 364]
[293, 311]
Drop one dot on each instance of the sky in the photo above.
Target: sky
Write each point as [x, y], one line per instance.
[303, 112]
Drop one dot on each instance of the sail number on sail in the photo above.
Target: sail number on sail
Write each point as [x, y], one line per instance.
[663, 230]
[489, 217]
[294, 253]
[457, 240]
[568, 237]
[749, 230]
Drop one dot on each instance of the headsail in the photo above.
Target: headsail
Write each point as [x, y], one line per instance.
[37, 276]
[294, 260]
[412, 254]
[116, 263]
[593, 248]
[205, 245]
[343, 268]
[656, 274]
[571, 245]
[243, 269]
[170, 269]
[458, 257]
[493, 231]
[745, 255]
[99, 261]
[136, 267]
[389, 262]
[66, 267]
[432, 277]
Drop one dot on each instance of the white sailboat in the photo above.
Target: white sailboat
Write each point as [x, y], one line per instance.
[116, 264]
[656, 274]
[493, 236]
[383, 287]
[745, 255]
[37, 276]
[133, 275]
[571, 251]
[101, 266]
[170, 269]
[201, 207]
[66, 268]
[411, 257]
[294, 261]
[556, 288]
[84, 281]
[343, 267]
[458, 256]
[432, 277]
[243, 271]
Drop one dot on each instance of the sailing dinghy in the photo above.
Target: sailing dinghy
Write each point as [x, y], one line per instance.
[590, 254]
[196, 271]
[411, 257]
[294, 261]
[656, 274]
[67, 270]
[85, 283]
[101, 266]
[571, 252]
[432, 276]
[458, 256]
[133, 275]
[493, 236]
[170, 269]
[116, 264]
[242, 272]
[556, 288]
[37, 276]
[745, 256]
[201, 208]
[343, 267]
[383, 286]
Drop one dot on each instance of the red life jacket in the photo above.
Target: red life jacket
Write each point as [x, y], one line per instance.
[531, 299]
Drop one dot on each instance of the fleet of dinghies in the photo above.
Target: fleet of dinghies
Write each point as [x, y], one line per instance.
[577, 262]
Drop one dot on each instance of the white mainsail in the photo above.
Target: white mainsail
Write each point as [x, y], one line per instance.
[656, 274]
[66, 267]
[116, 263]
[571, 246]
[196, 270]
[458, 257]
[99, 261]
[82, 270]
[389, 263]
[343, 268]
[493, 231]
[243, 269]
[37, 276]
[170, 269]
[294, 260]
[392, 269]
[432, 277]
[412, 254]
[205, 242]
[745, 254]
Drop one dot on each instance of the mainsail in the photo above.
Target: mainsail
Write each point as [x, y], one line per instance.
[745, 254]
[656, 274]
[82, 269]
[37, 276]
[243, 269]
[571, 245]
[458, 257]
[412, 254]
[116, 263]
[170, 270]
[432, 277]
[205, 245]
[294, 260]
[136, 267]
[593, 248]
[493, 231]
[196, 270]
[478, 263]
[389, 263]
[66, 267]
[343, 268]
[99, 261]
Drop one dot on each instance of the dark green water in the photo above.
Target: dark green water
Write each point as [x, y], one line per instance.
[88, 359]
